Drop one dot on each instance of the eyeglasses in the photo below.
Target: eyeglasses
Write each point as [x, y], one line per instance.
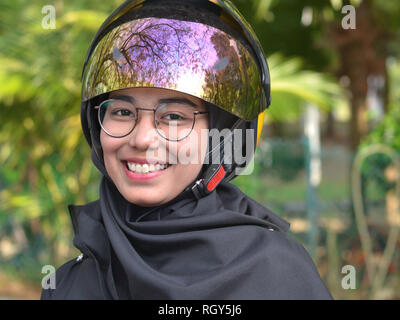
[173, 121]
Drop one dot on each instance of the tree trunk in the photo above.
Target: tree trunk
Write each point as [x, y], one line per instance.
[362, 54]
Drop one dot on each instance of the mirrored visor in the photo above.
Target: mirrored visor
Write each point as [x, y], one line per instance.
[189, 57]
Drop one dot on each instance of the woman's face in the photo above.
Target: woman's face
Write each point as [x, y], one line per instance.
[135, 162]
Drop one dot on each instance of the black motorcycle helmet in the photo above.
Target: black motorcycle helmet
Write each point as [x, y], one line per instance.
[204, 48]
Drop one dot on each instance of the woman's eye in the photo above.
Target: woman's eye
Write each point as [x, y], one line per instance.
[122, 112]
[173, 116]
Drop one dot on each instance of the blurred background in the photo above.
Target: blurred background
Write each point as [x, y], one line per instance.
[328, 160]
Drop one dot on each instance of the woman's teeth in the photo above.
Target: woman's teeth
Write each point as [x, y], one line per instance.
[145, 168]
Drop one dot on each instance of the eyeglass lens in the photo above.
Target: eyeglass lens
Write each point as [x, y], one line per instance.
[173, 121]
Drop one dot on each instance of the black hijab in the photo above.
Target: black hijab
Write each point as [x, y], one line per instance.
[222, 246]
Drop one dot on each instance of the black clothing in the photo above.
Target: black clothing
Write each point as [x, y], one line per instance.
[222, 246]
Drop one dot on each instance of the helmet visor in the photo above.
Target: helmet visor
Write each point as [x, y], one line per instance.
[189, 57]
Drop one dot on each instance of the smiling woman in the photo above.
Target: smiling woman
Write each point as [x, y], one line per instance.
[168, 224]
[144, 180]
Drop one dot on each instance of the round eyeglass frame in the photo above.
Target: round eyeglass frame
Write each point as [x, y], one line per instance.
[195, 113]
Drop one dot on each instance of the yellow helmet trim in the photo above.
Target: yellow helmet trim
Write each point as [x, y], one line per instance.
[260, 123]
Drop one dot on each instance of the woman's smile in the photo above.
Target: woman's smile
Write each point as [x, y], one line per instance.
[139, 169]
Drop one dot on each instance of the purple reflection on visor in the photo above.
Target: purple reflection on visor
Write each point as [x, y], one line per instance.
[189, 57]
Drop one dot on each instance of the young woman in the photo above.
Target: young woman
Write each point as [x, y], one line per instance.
[171, 91]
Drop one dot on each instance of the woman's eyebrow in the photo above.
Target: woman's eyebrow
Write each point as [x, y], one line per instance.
[177, 100]
[124, 98]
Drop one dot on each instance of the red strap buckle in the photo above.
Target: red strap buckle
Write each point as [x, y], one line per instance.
[216, 179]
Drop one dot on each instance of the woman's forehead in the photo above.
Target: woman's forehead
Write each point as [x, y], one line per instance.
[154, 94]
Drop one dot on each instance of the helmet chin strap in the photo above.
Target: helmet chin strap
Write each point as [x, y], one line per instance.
[217, 170]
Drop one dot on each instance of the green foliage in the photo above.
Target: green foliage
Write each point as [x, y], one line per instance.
[292, 87]
[45, 162]
[278, 25]
[387, 131]
[288, 161]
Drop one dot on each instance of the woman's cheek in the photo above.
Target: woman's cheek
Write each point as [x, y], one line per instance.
[193, 149]
[109, 151]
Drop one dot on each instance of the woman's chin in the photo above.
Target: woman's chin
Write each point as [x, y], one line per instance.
[146, 201]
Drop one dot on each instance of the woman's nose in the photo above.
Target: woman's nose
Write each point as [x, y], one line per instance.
[144, 135]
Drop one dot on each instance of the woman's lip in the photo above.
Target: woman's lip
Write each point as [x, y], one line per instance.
[143, 161]
[142, 176]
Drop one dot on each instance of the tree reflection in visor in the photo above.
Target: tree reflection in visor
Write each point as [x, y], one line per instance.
[189, 57]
